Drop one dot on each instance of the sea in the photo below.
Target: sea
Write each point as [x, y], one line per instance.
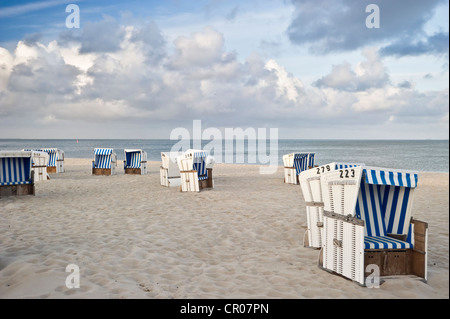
[417, 155]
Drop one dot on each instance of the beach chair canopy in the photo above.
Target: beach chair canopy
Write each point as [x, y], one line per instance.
[15, 167]
[301, 161]
[134, 157]
[102, 157]
[381, 197]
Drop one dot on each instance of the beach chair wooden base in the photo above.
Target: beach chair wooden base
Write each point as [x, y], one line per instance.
[190, 182]
[51, 169]
[101, 171]
[17, 190]
[410, 262]
[133, 171]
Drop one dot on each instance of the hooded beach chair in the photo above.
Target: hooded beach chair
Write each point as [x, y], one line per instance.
[311, 188]
[195, 170]
[55, 161]
[105, 161]
[16, 175]
[135, 161]
[169, 171]
[294, 164]
[368, 226]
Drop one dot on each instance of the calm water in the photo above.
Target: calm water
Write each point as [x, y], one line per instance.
[423, 155]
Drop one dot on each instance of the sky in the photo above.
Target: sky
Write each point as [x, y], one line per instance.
[313, 69]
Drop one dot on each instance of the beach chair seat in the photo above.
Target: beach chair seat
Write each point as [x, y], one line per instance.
[312, 194]
[294, 164]
[195, 170]
[105, 161]
[16, 175]
[135, 161]
[368, 222]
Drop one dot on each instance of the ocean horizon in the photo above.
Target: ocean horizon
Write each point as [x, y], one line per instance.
[417, 155]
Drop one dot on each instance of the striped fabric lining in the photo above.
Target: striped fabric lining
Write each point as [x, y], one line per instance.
[342, 165]
[302, 161]
[393, 178]
[102, 157]
[368, 208]
[133, 159]
[15, 170]
[384, 203]
[384, 242]
[199, 165]
[52, 155]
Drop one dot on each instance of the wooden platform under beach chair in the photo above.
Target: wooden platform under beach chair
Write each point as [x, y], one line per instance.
[135, 162]
[105, 161]
[294, 164]
[312, 194]
[169, 171]
[16, 175]
[195, 170]
[368, 224]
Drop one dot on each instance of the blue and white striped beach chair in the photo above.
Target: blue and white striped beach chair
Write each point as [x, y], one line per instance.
[368, 224]
[312, 194]
[105, 161]
[195, 170]
[55, 161]
[135, 161]
[16, 175]
[294, 164]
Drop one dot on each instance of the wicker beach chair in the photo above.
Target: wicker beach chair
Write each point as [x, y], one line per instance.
[368, 224]
[16, 175]
[135, 162]
[311, 188]
[105, 161]
[195, 170]
[294, 164]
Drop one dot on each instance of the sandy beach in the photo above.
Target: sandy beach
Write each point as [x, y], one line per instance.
[133, 238]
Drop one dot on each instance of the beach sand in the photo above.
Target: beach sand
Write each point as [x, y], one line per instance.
[132, 238]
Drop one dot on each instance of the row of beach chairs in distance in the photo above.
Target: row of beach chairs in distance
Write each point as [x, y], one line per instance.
[358, 217]
[191, 170]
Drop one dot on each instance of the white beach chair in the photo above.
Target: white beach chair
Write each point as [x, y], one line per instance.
[105, 161]
[16, 175]
[169, 171]
[195, 170]
[294, 164]
[368, 224]
[312, 193]
[135, 161]
[39, 164]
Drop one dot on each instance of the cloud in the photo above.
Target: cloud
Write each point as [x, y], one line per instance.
[367, 74]
[326, 26]
[146, 82]
[102, 36]
[436, 44]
